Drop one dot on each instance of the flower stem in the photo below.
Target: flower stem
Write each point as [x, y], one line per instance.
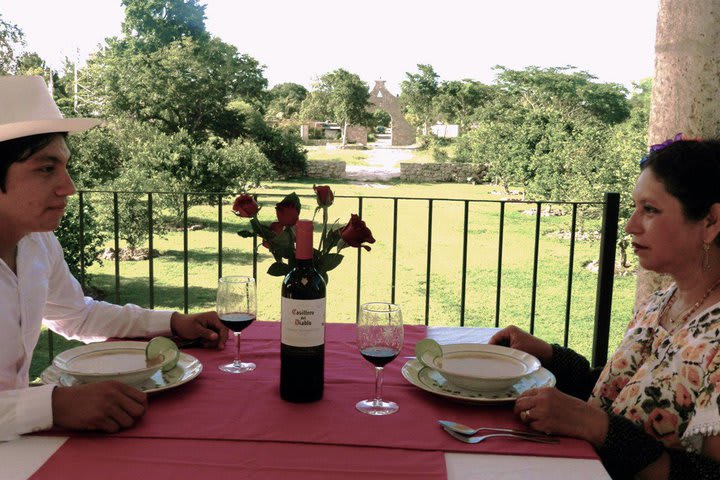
[324, 232]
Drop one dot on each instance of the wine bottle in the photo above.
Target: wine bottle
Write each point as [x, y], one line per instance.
[302, 337]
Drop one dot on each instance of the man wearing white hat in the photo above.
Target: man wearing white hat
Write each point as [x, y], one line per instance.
[36, 286]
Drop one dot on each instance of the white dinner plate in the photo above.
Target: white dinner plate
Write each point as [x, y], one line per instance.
[187, 368]
[432, 381]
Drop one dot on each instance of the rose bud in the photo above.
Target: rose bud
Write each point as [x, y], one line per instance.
[245, 206]
[355, 233]
[325, 196]
[287, 213]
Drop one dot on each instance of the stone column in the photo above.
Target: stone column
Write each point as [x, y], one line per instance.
[686, 86]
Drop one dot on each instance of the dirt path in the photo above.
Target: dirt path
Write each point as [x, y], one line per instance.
[383, 162]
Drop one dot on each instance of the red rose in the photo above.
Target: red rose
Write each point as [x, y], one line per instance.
[355, 233]
[325, 196]
[275, 227]
[245, 206]
[287, 213]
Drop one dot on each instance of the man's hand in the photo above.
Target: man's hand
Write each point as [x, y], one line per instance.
[206, 326]
[103, 406]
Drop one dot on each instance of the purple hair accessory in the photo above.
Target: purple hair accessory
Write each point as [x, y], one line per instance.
[666, 143]
[659, 146]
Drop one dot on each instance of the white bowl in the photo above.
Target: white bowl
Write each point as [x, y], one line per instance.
[121, 361]
[480, 367]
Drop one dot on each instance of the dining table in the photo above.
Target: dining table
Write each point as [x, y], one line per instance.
[220, 425]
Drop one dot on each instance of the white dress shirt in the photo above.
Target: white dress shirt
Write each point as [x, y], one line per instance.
[44, 291]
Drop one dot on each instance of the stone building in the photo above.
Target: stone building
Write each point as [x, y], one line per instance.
[402, 132]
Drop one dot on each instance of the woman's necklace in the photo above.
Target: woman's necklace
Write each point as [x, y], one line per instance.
[684, 316]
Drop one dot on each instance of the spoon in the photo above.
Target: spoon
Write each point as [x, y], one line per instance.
[474, 440]
[465, 430]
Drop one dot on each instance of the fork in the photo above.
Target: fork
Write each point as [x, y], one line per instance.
[481, 438]
[465, 430]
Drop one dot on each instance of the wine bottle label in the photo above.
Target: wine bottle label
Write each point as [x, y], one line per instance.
[303, 322]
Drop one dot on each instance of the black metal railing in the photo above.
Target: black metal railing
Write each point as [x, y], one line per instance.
[608, 234]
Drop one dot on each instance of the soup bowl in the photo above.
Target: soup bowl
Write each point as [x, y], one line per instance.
[121, 361]
[480, 367]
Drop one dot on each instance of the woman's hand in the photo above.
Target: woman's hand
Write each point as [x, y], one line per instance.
[551, 411]
[518, 339]
[206, 326]
[103, 406]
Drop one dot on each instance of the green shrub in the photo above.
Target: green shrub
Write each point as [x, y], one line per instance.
[68, 233]
[247, 165]
[439, 154]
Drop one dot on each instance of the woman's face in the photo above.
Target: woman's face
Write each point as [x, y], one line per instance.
[662, 238]
[36, 191]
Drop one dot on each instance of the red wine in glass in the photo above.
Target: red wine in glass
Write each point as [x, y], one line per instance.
[237, 322]
[379, 356]
[236, 308]
[379, 339]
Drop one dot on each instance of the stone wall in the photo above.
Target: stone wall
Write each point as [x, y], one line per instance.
[326, 169]
[442, 172]
[357, 134]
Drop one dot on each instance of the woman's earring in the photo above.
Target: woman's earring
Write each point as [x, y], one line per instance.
[706, 257]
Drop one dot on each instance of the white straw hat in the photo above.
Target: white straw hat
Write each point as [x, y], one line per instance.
[27, 108]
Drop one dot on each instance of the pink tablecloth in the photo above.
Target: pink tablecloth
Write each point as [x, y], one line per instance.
[159, 459]
[247, 407]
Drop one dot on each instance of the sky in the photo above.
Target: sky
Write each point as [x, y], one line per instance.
[297, 41]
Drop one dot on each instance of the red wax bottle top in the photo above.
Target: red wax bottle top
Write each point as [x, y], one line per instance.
[303, 246]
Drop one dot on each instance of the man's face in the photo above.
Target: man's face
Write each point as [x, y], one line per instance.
[36, 191]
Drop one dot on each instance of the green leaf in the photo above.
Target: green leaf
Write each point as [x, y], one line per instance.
[261, 229]
[246, 233]
[329, 261]
[331, 240]
[279, 269]
[294, 199]
[283, 239]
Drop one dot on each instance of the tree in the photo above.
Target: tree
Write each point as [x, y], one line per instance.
[458, 101]
[285, 101]
[184, 85]
[157, 23]
[628, 145]
[567, 89]
[417, 94]
[12, 40]
[549, 130]
[339, 96]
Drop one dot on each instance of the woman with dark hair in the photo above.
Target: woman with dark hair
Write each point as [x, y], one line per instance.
[653, 411]
[37, 288]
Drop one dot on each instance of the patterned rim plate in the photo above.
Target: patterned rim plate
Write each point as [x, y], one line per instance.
[187, 368]
[432, 381]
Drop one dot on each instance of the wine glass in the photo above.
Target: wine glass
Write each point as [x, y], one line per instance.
[237, 308]
[379, 338]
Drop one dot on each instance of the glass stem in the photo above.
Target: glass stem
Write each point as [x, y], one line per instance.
[237, 348]
[378, 384]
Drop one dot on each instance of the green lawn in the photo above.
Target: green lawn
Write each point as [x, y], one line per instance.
[376, 266]
[350, 157]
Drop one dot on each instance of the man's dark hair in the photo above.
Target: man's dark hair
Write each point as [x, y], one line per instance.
[20, 149]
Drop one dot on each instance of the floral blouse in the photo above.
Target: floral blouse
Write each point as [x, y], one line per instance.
[667, 382]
